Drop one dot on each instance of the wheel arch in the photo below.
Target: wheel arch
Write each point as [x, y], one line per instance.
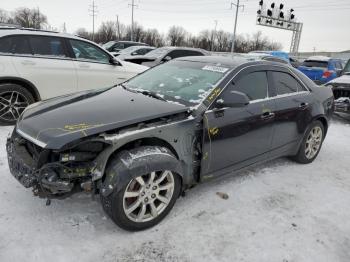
[110, 181]
[137, 143]
[324, 122]
[22, 82]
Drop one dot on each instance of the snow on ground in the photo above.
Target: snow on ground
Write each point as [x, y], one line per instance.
[281, 211]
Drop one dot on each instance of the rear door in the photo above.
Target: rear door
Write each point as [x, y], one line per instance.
[236, 137]
[93, 66]
[44, 61]
[293, 109]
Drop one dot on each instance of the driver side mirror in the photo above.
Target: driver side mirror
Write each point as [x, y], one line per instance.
[233, 99]
[115, 61]
[134, 53]
[167, 58]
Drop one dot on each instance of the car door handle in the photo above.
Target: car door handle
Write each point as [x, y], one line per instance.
[303, 106]
[28, 62]
[267, 115]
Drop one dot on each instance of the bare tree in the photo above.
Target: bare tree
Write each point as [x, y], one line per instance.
[4, 16]
[107, 31]
[177, 35]
[31, 18]
[82, 32]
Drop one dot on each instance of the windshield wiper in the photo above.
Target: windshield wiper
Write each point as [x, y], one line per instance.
[151, 94]
[144, 92]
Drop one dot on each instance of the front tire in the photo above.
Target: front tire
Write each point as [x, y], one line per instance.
[145, 200]
[13, 100]
[311, 144]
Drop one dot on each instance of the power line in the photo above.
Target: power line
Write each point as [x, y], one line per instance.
[93, 10]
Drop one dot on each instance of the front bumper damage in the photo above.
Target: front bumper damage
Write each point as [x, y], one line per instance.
[342, 105]
[47, 173]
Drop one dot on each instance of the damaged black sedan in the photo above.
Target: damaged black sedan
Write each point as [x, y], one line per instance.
[141, 144]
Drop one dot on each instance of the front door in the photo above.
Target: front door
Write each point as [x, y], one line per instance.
[94, 68]
[239, 136]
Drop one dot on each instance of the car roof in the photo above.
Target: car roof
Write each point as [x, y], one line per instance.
[231, 62]
[30, 31]
[319, 58]
[185, 48]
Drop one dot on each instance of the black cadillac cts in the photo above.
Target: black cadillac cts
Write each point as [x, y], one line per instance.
[141, 144]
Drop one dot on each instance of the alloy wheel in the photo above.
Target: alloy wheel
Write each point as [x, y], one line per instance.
[12, 104]
[146, 197]
[313, 142]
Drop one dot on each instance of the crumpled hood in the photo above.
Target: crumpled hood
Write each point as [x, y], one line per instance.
[55, 122]
[344, 79]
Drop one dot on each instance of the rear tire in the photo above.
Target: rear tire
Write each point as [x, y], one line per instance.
[145, 199]
[13, 100]
[312, 143]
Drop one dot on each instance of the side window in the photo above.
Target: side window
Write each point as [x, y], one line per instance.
[286, 84]
[20, 45]
[176, 53]
[254, 85]
[47, 46]
[86, 51]
[193, 53]
[338, 65]
[5, 45]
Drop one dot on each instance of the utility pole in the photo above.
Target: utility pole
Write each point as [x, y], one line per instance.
[93, 10]
[118, 28]
[213, 35]
[235, 26]
[132, 18]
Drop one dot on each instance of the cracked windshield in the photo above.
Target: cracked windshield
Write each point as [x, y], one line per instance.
[180, 81]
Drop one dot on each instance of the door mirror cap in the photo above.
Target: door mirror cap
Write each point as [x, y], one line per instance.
[134, 53]
[115, 61]
[167, 58]
[233, 99]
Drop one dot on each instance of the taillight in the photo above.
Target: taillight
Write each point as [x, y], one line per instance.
[327, 73]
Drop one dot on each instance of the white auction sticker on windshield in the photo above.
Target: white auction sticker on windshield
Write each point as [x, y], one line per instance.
[215, 69]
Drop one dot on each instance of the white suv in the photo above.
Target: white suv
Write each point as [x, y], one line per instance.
[37, 65]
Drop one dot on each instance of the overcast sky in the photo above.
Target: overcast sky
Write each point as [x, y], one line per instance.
[325, 22]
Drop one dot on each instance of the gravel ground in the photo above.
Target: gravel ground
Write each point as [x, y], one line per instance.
[281, 211]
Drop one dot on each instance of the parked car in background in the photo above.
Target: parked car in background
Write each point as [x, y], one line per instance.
[254, 56]
[341, 90]
[116, 46]
[37, 65]
[321, 69]
[133, 51]
[141, 144]
[280, 54]
[165, 54]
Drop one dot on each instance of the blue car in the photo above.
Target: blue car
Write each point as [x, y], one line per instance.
[321, 69]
